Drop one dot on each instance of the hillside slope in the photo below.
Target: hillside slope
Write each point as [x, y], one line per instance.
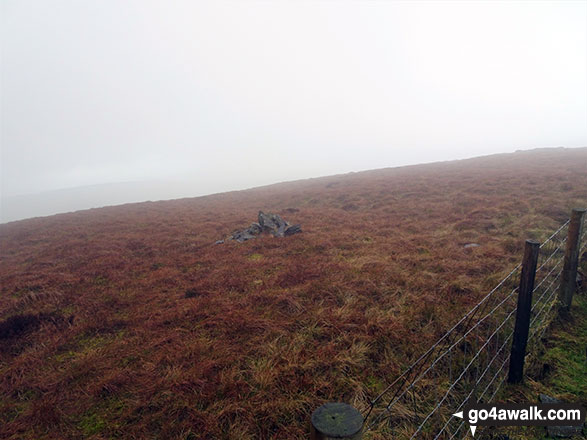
[128, 322]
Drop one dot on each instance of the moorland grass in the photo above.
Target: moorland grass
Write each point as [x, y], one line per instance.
[278, 326]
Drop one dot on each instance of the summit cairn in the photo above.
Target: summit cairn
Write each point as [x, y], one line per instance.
[269, 223]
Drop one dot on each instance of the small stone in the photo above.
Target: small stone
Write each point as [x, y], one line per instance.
[471, 245]
[559, 431]
[564, 431]
[219, 242]
[547, 399]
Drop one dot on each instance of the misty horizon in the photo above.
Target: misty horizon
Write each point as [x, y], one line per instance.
[225, 96]
[64, 200]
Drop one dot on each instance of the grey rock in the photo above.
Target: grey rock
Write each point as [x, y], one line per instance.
[255, 229]
[219, 242]
[547, 399]
[291, 230]
[564, 431]
[246, 234]
[471, 245]
[559, 431]
[241, 236]
[272, 223]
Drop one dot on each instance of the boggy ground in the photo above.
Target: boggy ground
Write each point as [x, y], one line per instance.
[127, 322]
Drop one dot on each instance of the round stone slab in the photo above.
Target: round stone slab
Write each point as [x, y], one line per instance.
[337, 420]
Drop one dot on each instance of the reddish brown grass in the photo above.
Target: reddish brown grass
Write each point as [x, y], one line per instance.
[126, 322]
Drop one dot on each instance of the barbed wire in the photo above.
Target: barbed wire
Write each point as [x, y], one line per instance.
[468, 361]
[467, 318]
[453, 385]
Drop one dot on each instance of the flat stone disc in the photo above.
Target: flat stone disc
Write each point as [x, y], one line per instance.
[336, 419]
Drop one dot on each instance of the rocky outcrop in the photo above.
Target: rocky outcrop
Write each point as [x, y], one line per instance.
[267, 223]
[246, 234]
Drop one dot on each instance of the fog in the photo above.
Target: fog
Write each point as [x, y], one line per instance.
[191, 98]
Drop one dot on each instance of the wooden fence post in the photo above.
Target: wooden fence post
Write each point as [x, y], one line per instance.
[569, 274]
[335, 420]
[522, 326]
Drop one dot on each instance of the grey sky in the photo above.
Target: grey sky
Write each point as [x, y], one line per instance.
[236, 94]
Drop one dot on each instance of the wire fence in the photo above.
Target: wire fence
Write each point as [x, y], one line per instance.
[469, 362]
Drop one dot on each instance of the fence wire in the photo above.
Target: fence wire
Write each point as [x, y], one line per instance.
[469, 362]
